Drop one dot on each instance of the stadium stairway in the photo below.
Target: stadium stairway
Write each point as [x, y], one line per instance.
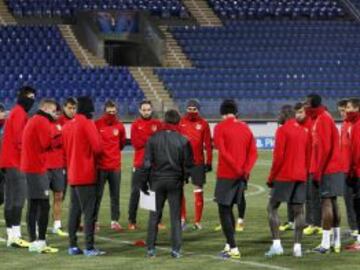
[353, 7]
[153, 88]
[6, 18]
[86, 58]
[175, 57]
[202, 12]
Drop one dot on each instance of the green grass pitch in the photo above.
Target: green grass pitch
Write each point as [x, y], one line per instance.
[200, 247]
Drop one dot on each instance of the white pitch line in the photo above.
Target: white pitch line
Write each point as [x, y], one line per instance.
[259, 190]
[250, 263]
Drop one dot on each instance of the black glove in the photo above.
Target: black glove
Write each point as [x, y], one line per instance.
[315, 183]
[186, 178]
[351, 182]
[245, 185]
[270, 184]
[208, 168]
[145, 188]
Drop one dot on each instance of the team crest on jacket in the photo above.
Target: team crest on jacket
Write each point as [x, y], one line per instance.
[116, 132]
[154, 128]
[198, 126]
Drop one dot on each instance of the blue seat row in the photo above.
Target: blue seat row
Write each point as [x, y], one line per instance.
[49, 8]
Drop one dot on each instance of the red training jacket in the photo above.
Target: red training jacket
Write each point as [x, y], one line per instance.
[12, 138]
[113, 139]
[63, 119]
[141, 131]
[38, 138]
[237, 149]
[81, 143]
[345, 146]
[355, 148]
[308, 125]
[325, 155]
[197, 131]
[291, 153]
[56, 157]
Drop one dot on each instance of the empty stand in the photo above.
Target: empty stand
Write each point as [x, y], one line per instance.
[232, 9]
[267, 61]
[49, 8]
[40, 57]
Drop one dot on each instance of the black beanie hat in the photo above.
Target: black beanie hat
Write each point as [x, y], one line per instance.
[228, 106]
[85, 106]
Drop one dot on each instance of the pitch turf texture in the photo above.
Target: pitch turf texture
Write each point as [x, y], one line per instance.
[200, 248]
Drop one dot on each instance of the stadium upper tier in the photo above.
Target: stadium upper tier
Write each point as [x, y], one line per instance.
[39, 56]
[234, 9]
[267, 61]
[164, 8]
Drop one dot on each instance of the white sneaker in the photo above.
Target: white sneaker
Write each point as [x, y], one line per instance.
[274, 251]
[41, 247]
[34, 246]
[297, 252]
[9, 242]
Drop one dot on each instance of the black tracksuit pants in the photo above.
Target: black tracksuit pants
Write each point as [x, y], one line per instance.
[114, 179]
[166, 190]
[82, 201]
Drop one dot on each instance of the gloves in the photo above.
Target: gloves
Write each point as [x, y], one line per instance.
[351, 182]
[208, 168]
[316, 183]
[270, 184]
[145, 188]
[186, 178]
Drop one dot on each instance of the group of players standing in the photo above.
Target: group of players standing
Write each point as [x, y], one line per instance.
[57, 147]
[62, 146]
[313, 164]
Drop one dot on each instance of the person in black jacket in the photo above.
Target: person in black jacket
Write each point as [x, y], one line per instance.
[167, 164]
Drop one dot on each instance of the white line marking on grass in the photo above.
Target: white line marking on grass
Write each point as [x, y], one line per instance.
[259, 190]
[250, 263]
[263, 162]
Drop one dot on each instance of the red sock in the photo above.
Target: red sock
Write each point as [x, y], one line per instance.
[199, 204]
[183, 208]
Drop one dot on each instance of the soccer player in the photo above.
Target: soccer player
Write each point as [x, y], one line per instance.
[56, 173]
[38, 138]
[68, 113]
[353, 180]
[288, 178]
[345, 151]
[15, 181]
[141, 130]
[313, 211]
[113, 139]
[167, 164]
[196, 129]
[313, 204]
[326, 172]
[237, 155]
[81, 143]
